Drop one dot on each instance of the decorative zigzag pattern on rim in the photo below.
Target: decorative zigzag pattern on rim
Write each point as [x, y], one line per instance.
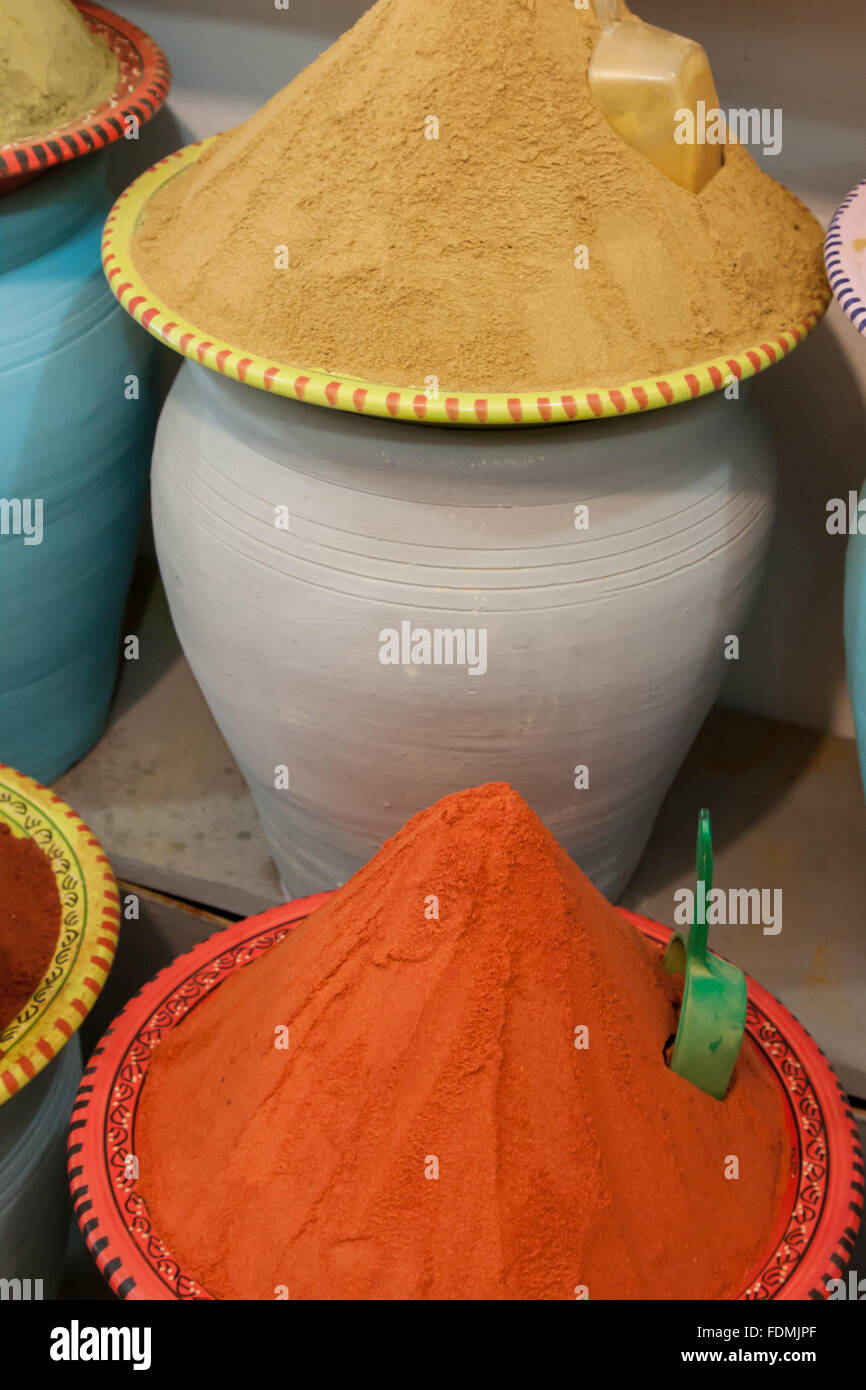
[846, 274]
[141, 89]
[814, 1247]
[89, 926]
[370, 398]
[841, 1256]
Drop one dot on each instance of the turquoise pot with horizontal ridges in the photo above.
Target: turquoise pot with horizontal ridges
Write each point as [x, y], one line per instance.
[76, 423]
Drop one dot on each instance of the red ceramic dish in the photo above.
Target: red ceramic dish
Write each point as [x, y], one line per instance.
[815, 1231]
[142, 86]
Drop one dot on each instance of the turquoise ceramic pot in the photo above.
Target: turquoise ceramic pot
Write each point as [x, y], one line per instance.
[77, 412]
[855, 634]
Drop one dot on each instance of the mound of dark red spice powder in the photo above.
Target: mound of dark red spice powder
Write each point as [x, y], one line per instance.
[29, 921]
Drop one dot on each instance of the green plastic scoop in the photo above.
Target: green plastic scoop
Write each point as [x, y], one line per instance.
[713, 1013]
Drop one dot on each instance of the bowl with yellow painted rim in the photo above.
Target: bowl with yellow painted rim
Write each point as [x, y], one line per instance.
[86, 940]
[355, 395]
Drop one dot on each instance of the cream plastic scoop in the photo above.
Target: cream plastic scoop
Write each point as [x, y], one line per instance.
[641, 76]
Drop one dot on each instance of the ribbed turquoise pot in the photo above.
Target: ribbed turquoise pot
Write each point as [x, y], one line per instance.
[855, 634]
[74, 441]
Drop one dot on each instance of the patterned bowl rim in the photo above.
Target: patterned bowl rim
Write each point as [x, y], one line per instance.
[846, 268]
[141, 89]
[815, 1234]
[86, 942]
[362, 397]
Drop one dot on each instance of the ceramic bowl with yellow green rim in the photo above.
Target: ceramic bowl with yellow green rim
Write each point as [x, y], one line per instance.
[87, 936]
[339, 392]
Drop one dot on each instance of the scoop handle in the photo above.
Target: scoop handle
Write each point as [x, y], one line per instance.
[697, 946]
[606, 12]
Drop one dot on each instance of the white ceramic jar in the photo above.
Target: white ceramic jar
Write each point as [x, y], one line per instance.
[604, 645]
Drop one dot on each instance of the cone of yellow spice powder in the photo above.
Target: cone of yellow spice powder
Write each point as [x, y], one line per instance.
[431, 176]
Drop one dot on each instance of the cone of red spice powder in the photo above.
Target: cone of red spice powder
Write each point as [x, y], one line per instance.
[432, 1131]
[29, 921]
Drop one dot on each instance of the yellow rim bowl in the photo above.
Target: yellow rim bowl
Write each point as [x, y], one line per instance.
[86, 942]
[393, 402]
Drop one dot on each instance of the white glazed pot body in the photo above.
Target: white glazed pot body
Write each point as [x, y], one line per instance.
[605, 646]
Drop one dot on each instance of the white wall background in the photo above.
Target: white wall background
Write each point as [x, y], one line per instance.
[228, 56]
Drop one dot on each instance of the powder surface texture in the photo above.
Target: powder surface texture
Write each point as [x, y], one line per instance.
[29, 921]
[420, 1044]
[53, 70]
[455, 257]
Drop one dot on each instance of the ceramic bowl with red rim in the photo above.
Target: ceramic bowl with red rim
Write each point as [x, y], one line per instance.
[143, 80]
[87, 932]
[814, 1234]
